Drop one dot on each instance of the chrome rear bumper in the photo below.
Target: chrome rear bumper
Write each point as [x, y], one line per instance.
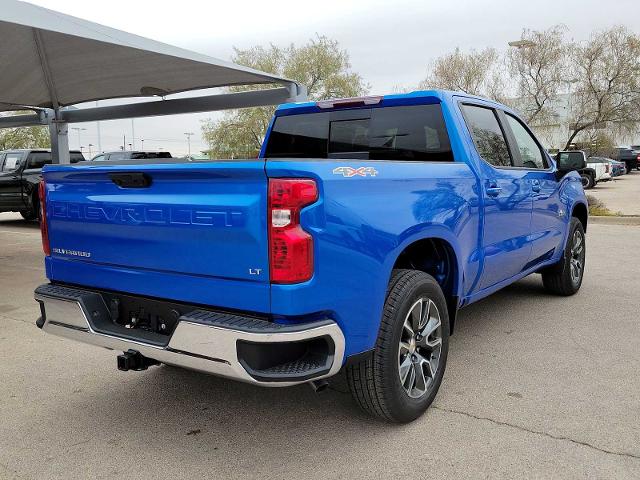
[202, 340]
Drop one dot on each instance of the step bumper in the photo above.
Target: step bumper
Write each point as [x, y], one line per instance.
[229, 345]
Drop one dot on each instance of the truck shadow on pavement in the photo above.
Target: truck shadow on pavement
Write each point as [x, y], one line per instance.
[167, 403]
[20, 224]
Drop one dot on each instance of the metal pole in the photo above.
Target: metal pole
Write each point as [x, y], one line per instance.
[78, 129]
[133, 134]
[59, 134]
[99, 135]
[189, 134]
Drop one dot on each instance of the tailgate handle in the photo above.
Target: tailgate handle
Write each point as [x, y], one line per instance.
[131, 179]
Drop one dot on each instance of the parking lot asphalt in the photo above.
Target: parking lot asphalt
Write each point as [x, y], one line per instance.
[536, 387]
[620, 195]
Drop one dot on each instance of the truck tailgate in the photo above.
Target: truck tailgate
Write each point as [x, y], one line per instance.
[195, 231]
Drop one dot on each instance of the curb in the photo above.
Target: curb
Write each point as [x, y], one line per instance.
[613, 220]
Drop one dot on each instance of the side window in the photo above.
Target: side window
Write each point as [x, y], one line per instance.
[38, 159]
[114, 157]
[487, 135]
[530, 152]
[76, 157]
[99, 158]
[12, 162]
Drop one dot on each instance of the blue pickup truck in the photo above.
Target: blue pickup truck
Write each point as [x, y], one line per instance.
[349, 244]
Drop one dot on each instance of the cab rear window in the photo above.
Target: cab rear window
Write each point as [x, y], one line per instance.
[413, 132]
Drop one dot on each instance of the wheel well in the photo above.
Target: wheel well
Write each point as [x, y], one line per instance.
[437, 258]
[580, 212]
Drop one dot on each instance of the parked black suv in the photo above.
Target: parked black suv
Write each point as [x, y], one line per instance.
[629, 156]
[20, 174]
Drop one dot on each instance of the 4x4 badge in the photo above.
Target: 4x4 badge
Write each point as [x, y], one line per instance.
[352, 172]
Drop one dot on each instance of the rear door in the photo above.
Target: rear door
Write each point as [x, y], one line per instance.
[548, 215]
[506, 194]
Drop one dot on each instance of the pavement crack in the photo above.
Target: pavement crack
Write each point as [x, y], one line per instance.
[539, 432]
[13, 472]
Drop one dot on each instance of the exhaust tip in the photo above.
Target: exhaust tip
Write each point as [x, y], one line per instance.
[319, 386]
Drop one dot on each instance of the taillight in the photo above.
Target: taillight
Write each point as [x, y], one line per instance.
[290, 247]
[607, 167]
[42, 194]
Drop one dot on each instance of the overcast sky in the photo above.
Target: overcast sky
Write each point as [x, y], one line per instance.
[390, 42]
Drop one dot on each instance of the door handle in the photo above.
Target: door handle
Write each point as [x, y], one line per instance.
[535, 186]
[494, 190]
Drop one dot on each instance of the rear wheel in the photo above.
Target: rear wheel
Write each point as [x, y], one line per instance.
[401, 378]
[587, 181]
[565, 277]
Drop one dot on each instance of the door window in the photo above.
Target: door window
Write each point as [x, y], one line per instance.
[530, 152]
[12, 162]
[487, 135]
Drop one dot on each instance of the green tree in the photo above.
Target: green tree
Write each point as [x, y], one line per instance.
[538, 62]
[321, 65]
[605, 72]
[24, 137]
[476, 73]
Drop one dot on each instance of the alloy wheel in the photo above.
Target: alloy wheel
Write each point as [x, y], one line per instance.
[576, 262]
[420, 348]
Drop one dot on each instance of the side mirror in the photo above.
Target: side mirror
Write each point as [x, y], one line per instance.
[570, 161]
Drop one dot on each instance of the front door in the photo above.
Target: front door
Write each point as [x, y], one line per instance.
[506, 193]
[10, 185]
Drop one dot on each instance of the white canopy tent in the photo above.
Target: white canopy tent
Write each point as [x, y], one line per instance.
[50, 61]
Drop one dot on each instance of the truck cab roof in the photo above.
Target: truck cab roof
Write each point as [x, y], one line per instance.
[417, 97]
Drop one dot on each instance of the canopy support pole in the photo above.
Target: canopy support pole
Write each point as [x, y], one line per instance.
[59, 132]
[211, 103]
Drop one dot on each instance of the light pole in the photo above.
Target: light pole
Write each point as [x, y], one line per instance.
[133, 134]
[99, 134]
[189, 134]
[142, 142]
[90, 154]
[78, 129]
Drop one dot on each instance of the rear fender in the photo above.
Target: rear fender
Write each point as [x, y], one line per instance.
[419, 233]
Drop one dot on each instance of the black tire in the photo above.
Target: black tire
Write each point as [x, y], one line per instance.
[29, 215]
[558, 279]
[588, 181]
[375, 382]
